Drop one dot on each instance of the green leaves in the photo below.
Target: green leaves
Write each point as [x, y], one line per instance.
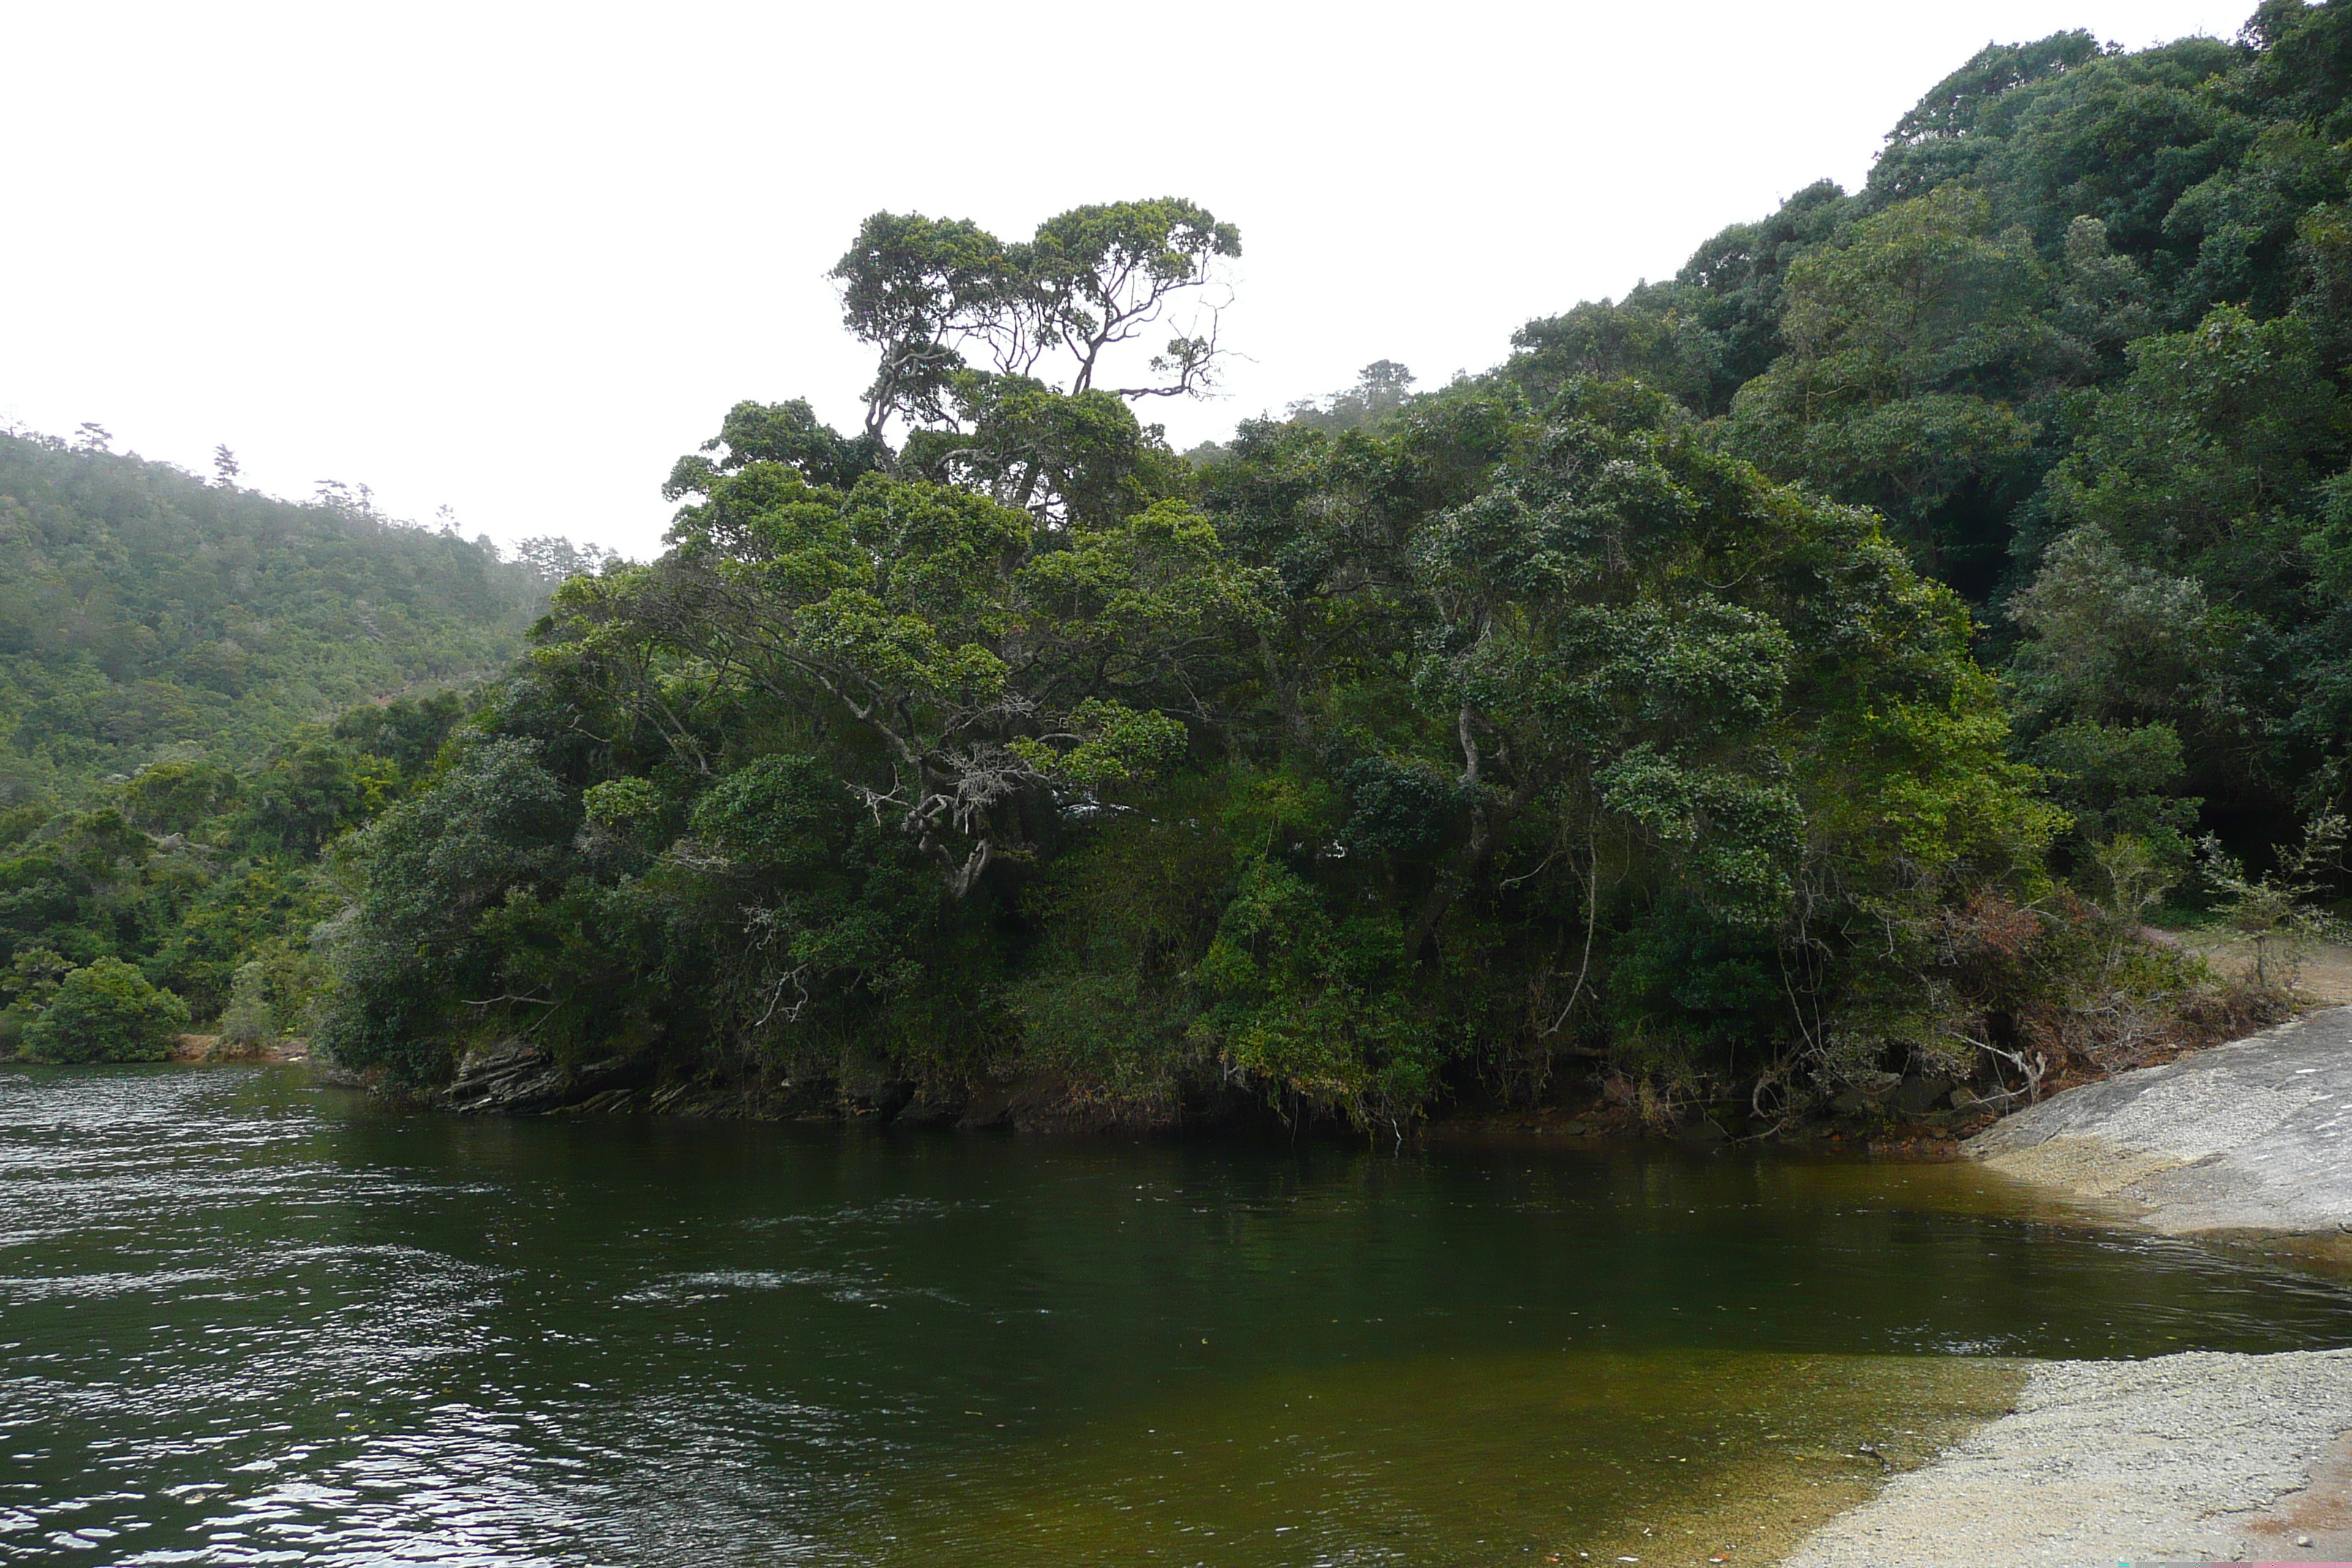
[1625, 700]
[2198, 585]
[2119, 782]
[916, 288]
[1008, 368]
[1311, 1007]
[1114, 745]
[2218, 438]
[621, 802]
[105, 1011]
[1098, 276]
[493, 829]
[1139, 601]
[1739, 837]
[1911, 343]
[146, 611]
[996, 663]
[1925, 294]
[928, 294]
[2111, 637]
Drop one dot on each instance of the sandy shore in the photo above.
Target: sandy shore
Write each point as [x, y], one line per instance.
[2194, 1457]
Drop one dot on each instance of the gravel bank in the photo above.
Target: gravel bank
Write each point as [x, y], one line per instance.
[2196, 1457]
[2251, 1136]
[2193, 1457]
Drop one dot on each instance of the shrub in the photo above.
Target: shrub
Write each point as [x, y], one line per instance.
[106, 1012]
[247, 1021]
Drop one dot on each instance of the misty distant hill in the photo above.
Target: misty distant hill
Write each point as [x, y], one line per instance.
[145, 613]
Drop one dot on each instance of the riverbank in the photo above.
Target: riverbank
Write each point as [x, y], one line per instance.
[2250, 1136]
[2198, 1457]
[215, 1048]
[1919, 1113]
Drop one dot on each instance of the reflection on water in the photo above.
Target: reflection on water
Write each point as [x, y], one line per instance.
[243, 1320]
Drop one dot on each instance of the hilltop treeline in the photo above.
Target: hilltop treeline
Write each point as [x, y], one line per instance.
[2081, 341]
[145, 613]
[1797, 673]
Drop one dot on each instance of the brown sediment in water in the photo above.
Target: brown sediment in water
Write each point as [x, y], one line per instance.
[1667, 1458]
[2328, 1253]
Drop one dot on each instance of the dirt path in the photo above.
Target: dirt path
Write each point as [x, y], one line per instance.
[2321, 972]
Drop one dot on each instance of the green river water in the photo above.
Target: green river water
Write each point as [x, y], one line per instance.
[244, 1319]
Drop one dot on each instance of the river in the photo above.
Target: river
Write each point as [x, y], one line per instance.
[247, 1319]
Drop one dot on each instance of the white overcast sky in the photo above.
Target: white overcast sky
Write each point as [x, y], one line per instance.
[515, 258]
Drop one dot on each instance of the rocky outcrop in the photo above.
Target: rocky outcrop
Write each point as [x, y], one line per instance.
[515, 1078]
[2251, 1136]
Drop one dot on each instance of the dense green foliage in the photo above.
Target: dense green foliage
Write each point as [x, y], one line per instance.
[2081, 339]
[1804, 670]
[209, 881]
[171, 654]
[146, 613]
[1399, 744]
[106, 1012]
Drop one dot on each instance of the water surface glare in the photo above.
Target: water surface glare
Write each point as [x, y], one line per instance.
[244, 1319]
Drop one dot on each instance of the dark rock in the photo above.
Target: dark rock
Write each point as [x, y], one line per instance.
[1014, 1102]
[1917, 1094]
[932, 1106]
[868, 1088]
[1038, 1102]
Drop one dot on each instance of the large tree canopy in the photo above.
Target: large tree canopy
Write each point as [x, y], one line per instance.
[2081, 339]
[1413, 733]
[1794, 673]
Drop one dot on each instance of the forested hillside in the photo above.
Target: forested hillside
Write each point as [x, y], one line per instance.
[144, 613]
[201, 688]
[2082, 341]
[1801, 674]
